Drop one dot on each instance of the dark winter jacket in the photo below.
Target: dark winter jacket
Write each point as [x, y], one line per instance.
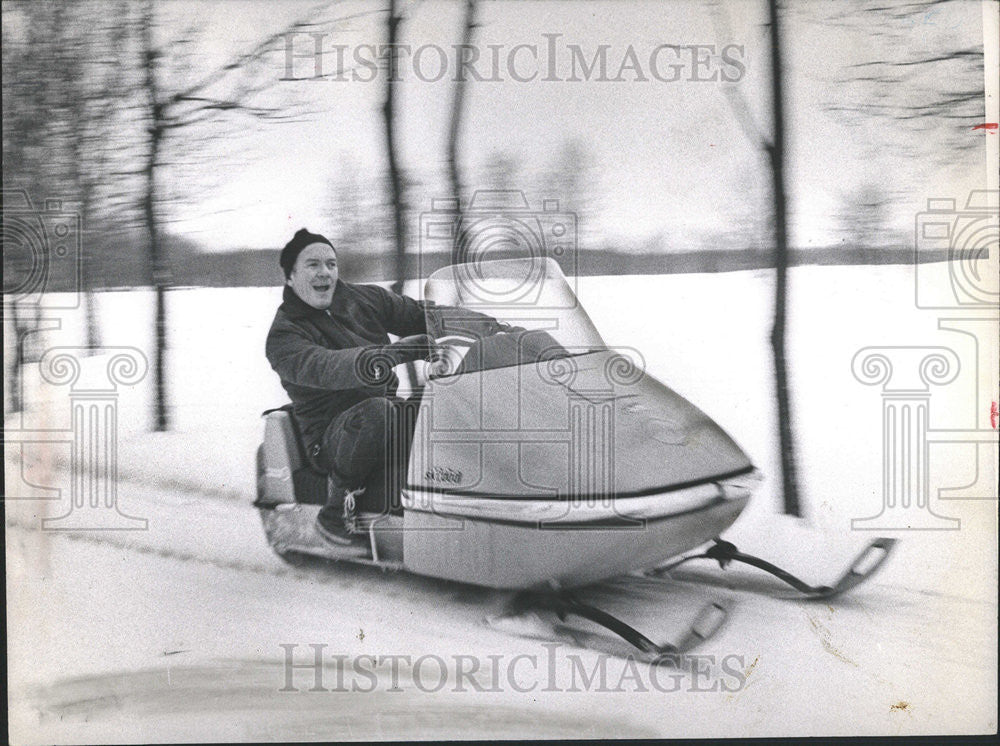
[329, 361]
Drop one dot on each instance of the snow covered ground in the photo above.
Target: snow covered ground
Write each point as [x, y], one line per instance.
[176, 632]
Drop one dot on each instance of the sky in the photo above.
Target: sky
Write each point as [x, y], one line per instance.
[672, 159]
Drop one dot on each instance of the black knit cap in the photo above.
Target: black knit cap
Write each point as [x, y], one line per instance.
[293, 248]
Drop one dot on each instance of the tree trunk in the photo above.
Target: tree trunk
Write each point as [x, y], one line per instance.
[90, 315]
[87, 275]
[395, 178]
[23, 166]
[776, 151]
[454, 127]
[21, 331]
[159, 277]
[158, 265]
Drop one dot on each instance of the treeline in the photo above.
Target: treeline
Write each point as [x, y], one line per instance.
[259, 267]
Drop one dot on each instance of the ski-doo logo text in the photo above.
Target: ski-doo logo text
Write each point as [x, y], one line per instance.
[309, 668]
[444, 475]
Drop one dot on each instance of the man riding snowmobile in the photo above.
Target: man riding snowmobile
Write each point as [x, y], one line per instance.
[329, 344]
[553, 464]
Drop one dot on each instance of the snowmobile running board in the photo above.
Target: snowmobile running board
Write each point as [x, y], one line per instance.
[866, 564]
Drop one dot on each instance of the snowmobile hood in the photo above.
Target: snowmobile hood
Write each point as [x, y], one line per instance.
[588, 426]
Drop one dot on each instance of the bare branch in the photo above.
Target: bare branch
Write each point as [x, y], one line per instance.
[737, 102]
[973, 54]
[241, 60]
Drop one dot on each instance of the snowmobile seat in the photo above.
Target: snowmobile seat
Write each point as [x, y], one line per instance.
[284, 455]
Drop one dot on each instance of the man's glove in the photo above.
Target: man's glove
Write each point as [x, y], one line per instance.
[414, 347]
[375, 364]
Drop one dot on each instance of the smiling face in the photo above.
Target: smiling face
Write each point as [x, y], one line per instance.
[315, 274]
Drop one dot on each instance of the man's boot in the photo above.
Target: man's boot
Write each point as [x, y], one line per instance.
[337, 520]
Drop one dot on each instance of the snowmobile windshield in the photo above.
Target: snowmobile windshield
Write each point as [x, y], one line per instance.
[493, 314]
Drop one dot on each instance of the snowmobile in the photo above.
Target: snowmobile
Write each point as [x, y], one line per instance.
[543, 461]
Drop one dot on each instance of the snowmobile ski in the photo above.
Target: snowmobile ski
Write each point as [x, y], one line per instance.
[864, 566]
[524, 616]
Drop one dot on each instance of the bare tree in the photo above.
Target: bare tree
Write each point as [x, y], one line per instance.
[774, 147]
[30, 44]
[864, 217]
[923, 69]
[776, 154]
[224, 90]
[395, 175]
[455, 121]
[91, 83]
[157, 262]
[26, 50]
[396, 186]
[49, 58]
